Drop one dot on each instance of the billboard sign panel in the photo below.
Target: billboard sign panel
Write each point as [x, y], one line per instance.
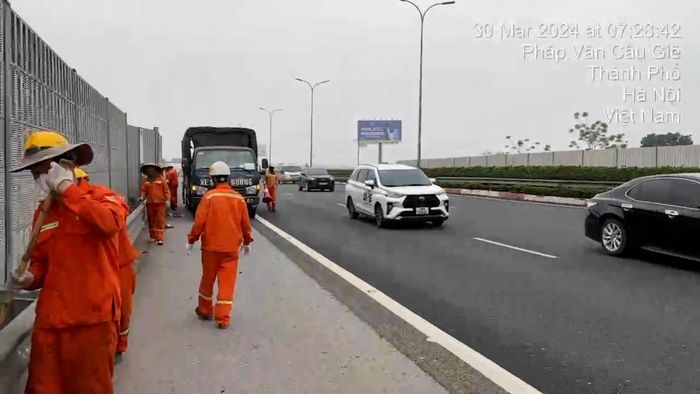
[379, 131]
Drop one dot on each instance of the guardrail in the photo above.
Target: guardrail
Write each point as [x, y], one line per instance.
[15, 337]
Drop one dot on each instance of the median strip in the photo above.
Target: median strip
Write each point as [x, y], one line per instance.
[549, 256]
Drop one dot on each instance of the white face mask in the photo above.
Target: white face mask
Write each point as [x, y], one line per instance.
[41, 183]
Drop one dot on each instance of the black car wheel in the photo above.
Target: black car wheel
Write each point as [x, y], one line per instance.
[332, 189]
[351, 209]
[379, 216]
[300, 189]
[613, 237]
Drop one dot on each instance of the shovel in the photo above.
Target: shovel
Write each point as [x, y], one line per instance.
[8, 295]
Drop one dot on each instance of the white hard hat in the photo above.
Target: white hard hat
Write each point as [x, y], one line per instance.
[219, 169]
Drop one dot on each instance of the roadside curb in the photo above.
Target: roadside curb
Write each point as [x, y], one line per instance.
[519, 197]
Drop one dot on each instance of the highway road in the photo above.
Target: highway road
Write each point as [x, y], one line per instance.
[520, 283]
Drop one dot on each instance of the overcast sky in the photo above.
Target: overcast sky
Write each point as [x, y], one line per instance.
[176, 64]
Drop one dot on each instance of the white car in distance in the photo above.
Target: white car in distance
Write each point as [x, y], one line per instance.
[395, 192]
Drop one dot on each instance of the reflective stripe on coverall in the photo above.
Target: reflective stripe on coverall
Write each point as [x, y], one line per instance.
[158, 195]
[75, 264]
[222, 222]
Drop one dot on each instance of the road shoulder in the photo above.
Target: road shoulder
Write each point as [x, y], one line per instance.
[287, 333]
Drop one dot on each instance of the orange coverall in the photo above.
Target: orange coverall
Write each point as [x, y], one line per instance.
[75, 264]
[223, 224]
[271, 184]
[127, 256]
[173, 182]
[158, 195]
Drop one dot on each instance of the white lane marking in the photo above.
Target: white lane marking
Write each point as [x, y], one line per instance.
[549, 256]
[488, 368]
[544, 204]
[290, 194]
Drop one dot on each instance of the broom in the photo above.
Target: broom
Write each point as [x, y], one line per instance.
[6, 301]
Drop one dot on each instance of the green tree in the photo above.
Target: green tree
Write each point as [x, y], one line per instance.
[524, 146]
[668, 139]
[595, 135]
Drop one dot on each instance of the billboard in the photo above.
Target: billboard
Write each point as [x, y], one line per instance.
[376, 131]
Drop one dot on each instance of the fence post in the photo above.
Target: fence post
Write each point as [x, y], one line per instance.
[156, 134]
[109, 144]
[528, 160]
[76, 94]
[6, 132]
[656, 160]
[617, 157]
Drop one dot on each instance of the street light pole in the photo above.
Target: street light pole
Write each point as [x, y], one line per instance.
[269, 148]
[311, 145]
[420, 78]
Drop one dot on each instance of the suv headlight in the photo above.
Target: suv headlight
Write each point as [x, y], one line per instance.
[311, 179]
[391, 194]
[251, 190]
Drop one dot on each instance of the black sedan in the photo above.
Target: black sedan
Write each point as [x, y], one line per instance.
[657, 213]
[316, 178]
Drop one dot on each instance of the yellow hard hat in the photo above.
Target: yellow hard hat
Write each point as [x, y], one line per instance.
[46, 145]
[79, 173]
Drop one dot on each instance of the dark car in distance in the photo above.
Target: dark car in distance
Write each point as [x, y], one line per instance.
[316, 178]
[659, 213]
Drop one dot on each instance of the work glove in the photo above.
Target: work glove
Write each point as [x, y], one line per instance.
[245, 250]
[20, 280]
[188, 248]
[57, 175]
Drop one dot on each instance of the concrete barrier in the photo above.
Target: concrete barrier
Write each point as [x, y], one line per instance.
[15, 338]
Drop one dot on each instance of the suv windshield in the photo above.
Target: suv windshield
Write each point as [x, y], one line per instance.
[242, 159]
[291, 169]
[316, 171]
[396, 178]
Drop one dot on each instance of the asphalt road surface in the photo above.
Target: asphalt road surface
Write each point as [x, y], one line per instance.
[521, 284]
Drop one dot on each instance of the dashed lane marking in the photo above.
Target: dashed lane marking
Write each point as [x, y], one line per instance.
[549, 256]
[488, 368]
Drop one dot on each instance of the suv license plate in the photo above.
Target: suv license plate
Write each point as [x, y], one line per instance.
[422, 211]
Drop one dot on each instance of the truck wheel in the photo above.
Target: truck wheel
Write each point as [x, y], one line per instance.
[252, 211]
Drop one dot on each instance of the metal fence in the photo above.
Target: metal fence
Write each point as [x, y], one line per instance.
[663, 156]
[38, 91]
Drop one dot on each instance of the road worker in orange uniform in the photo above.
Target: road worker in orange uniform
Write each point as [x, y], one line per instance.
[271, 182]
[127, 256]
[157, 195]
[75, 264]
[173, 182]
[223, 224]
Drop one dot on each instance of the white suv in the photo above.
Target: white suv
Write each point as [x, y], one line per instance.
[395, 192]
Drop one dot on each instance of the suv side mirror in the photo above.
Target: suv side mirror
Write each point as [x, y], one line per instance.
[370, 183]
[432, 180]
[265, 164]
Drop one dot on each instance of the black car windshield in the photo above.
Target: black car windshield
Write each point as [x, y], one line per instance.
[291, 169]
[242, 159]
[397, 178]
[316, 171]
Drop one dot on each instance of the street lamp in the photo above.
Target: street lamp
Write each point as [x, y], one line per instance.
[269, 147]
[312, 87]
[420, 89]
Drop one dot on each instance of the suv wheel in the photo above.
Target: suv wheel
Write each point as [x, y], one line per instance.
[613, 237]
[300, 189]
[351, 209]
[438, 222]
[379, 216]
